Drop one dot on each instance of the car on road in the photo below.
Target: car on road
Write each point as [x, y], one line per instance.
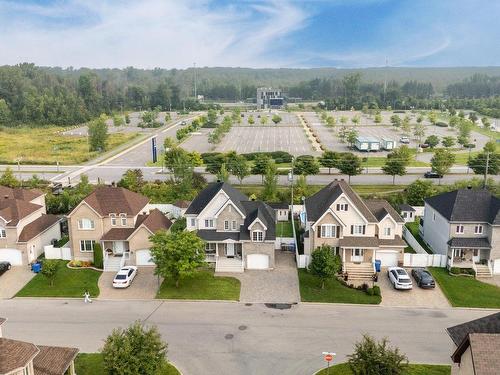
[432, 174]
[4, 267]
[404, 140]
[183, 123]
[124, 277]
[423, 278]
[399, 278]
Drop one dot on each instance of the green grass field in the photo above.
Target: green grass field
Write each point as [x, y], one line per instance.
[48, 146]
[413, 227]
[413, 369]
[379, 161]
[464, 291]
[67, 283]
[203, 285]
[284, 229]
[334, 292]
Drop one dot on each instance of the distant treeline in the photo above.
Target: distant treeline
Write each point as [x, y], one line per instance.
[40, 95]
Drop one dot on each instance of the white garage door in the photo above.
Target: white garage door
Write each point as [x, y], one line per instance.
[257, 261]
[13, 256]
[388, 258]
[496, 266]
[143, 258]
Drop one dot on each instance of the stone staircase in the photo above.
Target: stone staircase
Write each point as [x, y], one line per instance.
[482, 271]
[361, 271]
[229, 265]
[112, 264]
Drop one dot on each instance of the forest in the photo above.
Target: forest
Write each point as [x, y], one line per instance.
[38, 96]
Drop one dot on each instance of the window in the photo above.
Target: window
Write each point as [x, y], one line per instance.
[357, 229]
[2, 233]
[411, 215]
[405, 215]
[87, 245]
[209, 223]
[226, 225]
[460, 228]
[123, 219]
[342, 207]
[478, 229]
[387, 231]
[257, 236]
[328, 230]
[234, 225]
[86, 224]
[193, 222]
[476, 252]
[210, 248]
[113, 219]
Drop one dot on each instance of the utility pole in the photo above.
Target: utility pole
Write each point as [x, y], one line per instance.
[486, 169]
[195, 90]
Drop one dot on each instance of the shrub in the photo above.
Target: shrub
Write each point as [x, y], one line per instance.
[376, 290]
[370, 291]
[398, 111]
[442, 124]
[98, 258]
[455, 270]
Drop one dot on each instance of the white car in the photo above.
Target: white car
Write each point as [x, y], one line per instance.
[124, 277]
[404, 140]
[399, 278]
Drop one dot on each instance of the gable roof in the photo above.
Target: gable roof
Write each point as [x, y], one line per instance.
[13, 210]
[380, 208]
[206, 195]
[485, 350]
[53, 360]
[279, 205]
[456, 205]
[487, 324]
[37, 226]
[406, 207]
[182, 203]
[106, 200]
[260, 210]
[154, 221]
[15, 354]
[19, 193]
[318, 204]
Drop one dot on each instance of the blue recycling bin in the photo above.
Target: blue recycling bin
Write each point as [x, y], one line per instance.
[36, 267]
[378, 265]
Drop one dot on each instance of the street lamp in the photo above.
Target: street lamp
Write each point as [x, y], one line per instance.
[468, 160]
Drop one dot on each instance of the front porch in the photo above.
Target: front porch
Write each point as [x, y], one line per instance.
[226, 255]
[357, 263]
[115, 254]
[475, 258]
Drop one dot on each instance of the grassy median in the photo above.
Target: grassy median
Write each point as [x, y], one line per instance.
[413, 369]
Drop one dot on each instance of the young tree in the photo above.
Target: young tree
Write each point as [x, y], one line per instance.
[223, 174]
[419, 131]
[473, 117]
[324, 264]
[417, 191]
[135, 350]
[98, 134]
[177, 254]
[448, 141]
[420, 118]
[331, 121]
[350, 165]
[432, 116]
[395, 165]
[329, 159]
[270, 182]
[263, 120]
[127, 118]
[9, 179]
[132, 179]
[486, 122]
[276, 119]
[442, 161]
[260, 164]
[306, 165]
[237, 165]
[478, 163]
[396, 121]
[118, 120]
[251, 120]
[405, 125]
[375, 358]
[454, 121]
[49, 270]
[352, 136]
[355, 120]
[378, 118]
[343, 120]
[432, 140]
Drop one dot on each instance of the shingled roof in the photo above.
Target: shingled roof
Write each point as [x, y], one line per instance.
[37, 226]
[154, 221]
[207, 194]
[456, 205]
[485, 352]
[15, 354]
[53, 360]
[107, 200]
[260, 210]
[19, 193]
[13, 210]
[380, 208]
[487, 324]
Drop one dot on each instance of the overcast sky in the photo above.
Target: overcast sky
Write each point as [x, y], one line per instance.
[177, 33]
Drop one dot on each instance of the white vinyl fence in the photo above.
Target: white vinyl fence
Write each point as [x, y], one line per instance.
[52, 252]
[424, 260]
[412, 241]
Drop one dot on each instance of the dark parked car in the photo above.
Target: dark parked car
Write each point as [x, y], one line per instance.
[423, 278]
[4, 267]
[432, 174]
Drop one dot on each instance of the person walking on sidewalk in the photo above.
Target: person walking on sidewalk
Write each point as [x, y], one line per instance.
[86, 296]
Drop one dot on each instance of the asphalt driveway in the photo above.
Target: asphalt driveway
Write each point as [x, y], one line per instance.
[144, 286]
[416, 297]
[14, 280]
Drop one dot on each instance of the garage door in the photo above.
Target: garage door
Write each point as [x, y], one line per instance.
[257, 261]
[388, 258]
[496, 266]
[14, 256]
[143, 258]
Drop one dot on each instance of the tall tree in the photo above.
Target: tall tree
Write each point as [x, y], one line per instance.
[324, 264]
[9, 179]
[329, 159]
[237, 165]
[396, 164]
[98, 134]
[306, 165]
[132, 179]
[442, 161]
[350, 165]
[270, 182]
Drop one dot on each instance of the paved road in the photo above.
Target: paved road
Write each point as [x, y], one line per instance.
[263, 341]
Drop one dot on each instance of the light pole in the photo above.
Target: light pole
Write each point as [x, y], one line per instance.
[468, 159]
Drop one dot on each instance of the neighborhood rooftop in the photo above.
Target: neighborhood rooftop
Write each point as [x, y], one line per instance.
[107, 200]
[206, 195]
[487, 324]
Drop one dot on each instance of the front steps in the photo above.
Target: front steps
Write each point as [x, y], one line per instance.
[482, 271]
[228, 265]
[359, 271]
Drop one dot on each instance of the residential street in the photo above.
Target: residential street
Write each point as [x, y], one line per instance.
[234, 338]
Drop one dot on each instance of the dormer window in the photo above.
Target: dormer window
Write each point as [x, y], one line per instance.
[123, 219]
[113, 219]
[387, 231]
[257, 236]
[342, 207]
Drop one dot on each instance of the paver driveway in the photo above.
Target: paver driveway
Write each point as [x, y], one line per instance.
[416, 297]
[14, 280]
[280, 285]
[144, 286]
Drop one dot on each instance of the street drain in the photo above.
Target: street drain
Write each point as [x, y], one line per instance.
[242, 328]
[279, 306]
[229, 336]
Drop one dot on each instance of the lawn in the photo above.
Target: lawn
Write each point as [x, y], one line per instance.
[463, 291]
[377, 189]
[92, 364]
[67, 283]
[334, 292]
[462, 158]
[413, 227]
[413, 369]
[379, 161]
[203, 285]
[284, 229]
[48, 145]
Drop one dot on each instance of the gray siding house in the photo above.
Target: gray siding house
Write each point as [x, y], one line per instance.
[464, 225]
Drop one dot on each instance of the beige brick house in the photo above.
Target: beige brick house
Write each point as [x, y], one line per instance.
[239, 233]
[360, 231]
[25, 228]
[120, 221]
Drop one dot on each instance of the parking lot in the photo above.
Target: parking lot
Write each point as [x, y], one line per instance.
[416, 297]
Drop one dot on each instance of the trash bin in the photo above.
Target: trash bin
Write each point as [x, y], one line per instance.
[378, 264]
[36, 267]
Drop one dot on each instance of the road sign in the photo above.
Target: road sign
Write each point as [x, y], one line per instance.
[328, 357]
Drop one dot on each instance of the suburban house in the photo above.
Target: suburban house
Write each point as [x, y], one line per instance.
[477, 346]
[24, 358]
[282, 210]
[25, 228]
[464, 225]
[239, 232]
[120, 221]
[360, 231]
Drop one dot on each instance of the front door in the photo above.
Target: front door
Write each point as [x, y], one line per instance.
[357, 255]
[118, 247]
[476, 256]
[230, 250]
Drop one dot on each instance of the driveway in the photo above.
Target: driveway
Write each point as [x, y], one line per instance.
[14, 280]
[494, 280]
[416, 297]
[280, 285]
[144, 286]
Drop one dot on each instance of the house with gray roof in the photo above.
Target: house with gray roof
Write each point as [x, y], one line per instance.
[239, 233]
[464, 225]
[360, 231]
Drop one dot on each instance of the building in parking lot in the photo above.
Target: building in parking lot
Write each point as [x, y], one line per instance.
[269, 98]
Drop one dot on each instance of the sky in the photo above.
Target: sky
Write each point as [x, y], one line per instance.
[246, 33]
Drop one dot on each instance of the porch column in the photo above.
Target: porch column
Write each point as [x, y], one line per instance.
[343, 255]
[451, 257]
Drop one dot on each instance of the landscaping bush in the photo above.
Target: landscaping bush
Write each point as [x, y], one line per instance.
[442, 124]
[98, 258]
[376, 290]
[455, 270]
[370, 291]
